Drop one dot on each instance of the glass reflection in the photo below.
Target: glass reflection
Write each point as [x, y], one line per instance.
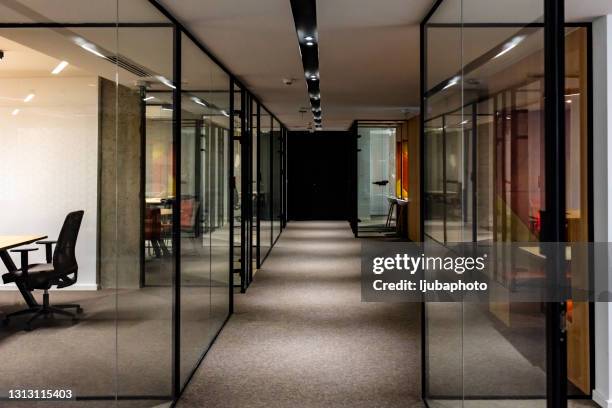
[204, 227]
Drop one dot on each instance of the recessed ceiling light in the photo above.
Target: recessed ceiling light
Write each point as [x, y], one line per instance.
[148, 98]
[59, 68]
[310, 43]
[15, 112]
[308, 38]
[313, 77]
[29, 98]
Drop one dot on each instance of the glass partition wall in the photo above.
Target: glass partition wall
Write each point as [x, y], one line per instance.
[276, 172]
[238, 240]
[147, 142]
[203, 191]
[255, 182]
[265, 184]
[486, 141]
[271, 182]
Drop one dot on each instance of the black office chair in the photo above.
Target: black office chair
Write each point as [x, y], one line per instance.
[61, 270]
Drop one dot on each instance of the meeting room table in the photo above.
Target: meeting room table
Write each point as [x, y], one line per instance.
[8, 242]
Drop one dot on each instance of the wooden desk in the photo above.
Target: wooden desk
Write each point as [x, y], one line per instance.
[8, 242]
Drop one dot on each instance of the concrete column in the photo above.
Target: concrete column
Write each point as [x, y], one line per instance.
[119, 186]
[602, 178]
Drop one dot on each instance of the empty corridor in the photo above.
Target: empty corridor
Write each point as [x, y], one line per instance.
[300, 336]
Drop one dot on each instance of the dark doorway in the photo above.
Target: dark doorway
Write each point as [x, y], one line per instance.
[318, 175]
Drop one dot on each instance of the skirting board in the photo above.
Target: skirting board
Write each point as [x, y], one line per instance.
[76, 286]
[600, 400]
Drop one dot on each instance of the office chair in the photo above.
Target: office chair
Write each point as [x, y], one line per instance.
[61, 270]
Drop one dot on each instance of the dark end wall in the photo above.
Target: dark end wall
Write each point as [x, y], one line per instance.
[319, 175]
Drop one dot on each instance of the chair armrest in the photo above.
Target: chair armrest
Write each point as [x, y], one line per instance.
[48, 249]
[24, 258]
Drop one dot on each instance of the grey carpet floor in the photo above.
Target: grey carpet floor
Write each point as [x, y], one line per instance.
[301, 337]
[122, 344]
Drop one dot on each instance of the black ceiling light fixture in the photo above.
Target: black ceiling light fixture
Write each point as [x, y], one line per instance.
[305, 18]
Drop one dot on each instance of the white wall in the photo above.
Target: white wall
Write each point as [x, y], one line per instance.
[49, 163]
[602, 177]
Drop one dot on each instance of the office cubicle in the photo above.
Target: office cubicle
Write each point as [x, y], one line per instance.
[112, 107]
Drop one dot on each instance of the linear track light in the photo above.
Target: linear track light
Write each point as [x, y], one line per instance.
[92, 48]
[510, 45]
[59, 68]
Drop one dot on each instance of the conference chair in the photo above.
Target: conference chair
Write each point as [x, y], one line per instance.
[61, 270]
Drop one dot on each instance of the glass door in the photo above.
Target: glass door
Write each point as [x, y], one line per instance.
[380, 185]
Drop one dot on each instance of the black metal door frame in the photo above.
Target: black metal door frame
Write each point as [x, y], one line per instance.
[553, 225]
[258, 186]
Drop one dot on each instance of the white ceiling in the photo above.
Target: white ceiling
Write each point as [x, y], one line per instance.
[368, 50]
[23, 62]
[256, 40]
[369, 58]
[368, 54]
